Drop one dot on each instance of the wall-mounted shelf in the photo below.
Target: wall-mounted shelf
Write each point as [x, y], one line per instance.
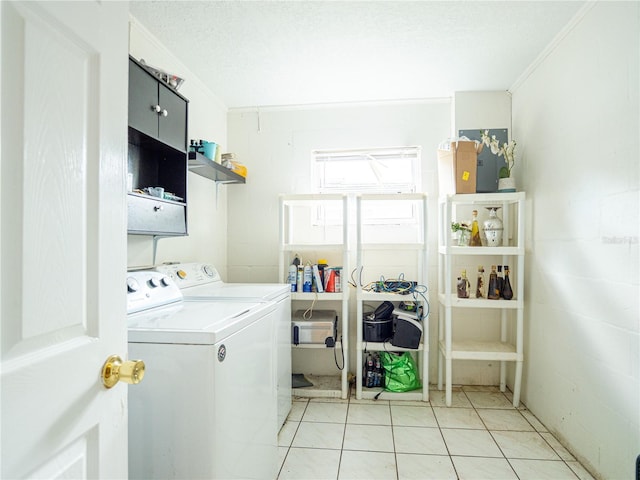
[206, 167]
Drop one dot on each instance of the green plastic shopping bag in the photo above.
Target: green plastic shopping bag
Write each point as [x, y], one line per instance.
[401, 374]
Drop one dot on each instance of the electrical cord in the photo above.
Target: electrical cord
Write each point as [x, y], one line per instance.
[335, 359]
[354, 282]
[309, 311]
[402, 287]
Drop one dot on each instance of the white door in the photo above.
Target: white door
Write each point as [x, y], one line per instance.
[63, 238]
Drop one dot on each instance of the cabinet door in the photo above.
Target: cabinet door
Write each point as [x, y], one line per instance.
[143, 96]
[172, 127]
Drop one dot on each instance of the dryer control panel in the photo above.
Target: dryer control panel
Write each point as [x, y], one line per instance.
[190, 274]
[148, 289]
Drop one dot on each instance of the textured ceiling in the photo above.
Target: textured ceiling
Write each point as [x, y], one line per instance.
[304, 52]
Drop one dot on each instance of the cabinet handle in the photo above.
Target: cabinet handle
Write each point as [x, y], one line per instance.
[157, 208]
[164, 112]
[156, 108]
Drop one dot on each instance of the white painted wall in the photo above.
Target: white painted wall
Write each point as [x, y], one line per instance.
[482, 110]
[575, 117]
[276, 146]
[207, 204]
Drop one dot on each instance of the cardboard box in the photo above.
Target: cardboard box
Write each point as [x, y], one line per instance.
[457, 168]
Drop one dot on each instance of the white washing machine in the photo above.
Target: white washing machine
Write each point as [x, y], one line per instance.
[201, 281]
[206, 407]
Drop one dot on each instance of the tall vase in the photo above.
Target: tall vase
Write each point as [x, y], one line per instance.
[507, 184]
[493, 228]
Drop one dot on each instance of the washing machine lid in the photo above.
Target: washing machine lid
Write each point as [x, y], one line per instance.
[260, 292]
[195, 323]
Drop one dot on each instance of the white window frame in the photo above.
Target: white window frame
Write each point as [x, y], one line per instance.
[377, 159]
[374, 161]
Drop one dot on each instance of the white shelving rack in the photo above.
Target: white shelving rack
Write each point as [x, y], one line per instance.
[306, 230]
[509, 347]
[413, 210]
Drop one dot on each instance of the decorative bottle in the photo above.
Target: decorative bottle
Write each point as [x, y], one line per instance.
[492, 292]
[463, 285]
[475, 231]
[500, 280]
[507, 291]
[480, 282]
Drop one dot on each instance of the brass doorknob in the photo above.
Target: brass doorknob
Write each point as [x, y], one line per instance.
[115, 370]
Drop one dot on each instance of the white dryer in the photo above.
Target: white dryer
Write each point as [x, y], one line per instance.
[201, 281]
[207, 405]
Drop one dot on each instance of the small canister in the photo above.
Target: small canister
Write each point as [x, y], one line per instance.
[377, 330]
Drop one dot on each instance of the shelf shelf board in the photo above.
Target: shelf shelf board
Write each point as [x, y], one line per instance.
[484, 198]
[302, 198]
[387, 347]
[393, 197]
[392, 246]
[324, 386]
[319, 296]
[453, 301]
[455, 250]
[381, 296]
[306, 247]
[477, 350]
[207, 168]
[316, 346]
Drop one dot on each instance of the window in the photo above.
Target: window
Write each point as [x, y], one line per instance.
[375, 170]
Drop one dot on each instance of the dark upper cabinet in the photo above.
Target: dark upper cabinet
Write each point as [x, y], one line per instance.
[172, 128]
[157, 155]
[155, 109]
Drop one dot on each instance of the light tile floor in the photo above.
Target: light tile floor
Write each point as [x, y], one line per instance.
[481, 436]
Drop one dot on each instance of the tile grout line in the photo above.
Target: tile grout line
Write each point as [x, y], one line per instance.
[446, 445]
[344, 434]
[284, 460]
[393, 441]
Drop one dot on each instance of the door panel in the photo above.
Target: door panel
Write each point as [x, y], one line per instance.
[63, 261]
[56, 181]
[143, 94]
[172, 127]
